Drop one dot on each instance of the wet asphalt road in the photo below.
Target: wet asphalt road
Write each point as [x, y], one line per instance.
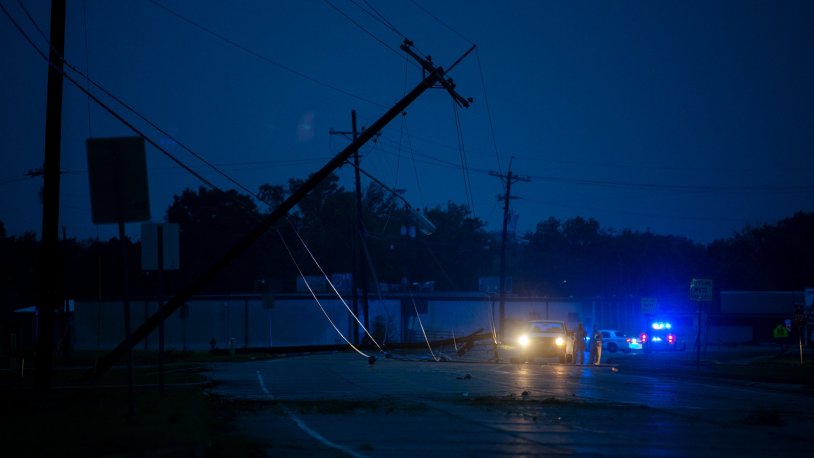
[340, 405]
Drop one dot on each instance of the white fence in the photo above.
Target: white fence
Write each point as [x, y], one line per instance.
[300, 320]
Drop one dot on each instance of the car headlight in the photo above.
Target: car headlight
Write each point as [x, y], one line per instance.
[560, 341]
[523, 340]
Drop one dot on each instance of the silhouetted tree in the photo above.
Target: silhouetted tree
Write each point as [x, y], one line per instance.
[211, 222]
[770, 257]
[575, 257]
[20, 271]
[325, 220]
[457, 253]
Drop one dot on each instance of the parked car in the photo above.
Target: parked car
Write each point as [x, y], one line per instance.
[614, 340]
[547, 338]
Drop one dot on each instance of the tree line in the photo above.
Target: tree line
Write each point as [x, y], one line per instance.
[575, 257]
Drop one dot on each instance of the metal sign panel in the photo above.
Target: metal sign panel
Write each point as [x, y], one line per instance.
[649, 305]
[117, 169]
[701, 289]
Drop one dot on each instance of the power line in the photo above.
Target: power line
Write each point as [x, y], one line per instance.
[121, 119]
[30, 18]
[429, 159]
[489, 113]
[675, 188]
[262, 57]
[362, 28]
[640, 166]
[132, 110]
[483, 80]
[379, 17]
[428, 13]
[412, 159]
[464, 163]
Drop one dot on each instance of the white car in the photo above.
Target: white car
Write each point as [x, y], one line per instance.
[614, 340]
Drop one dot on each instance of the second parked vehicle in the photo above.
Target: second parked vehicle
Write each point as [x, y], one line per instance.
[614, 340]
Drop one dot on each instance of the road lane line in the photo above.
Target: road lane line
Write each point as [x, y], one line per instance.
[319, 437]
[262, 383]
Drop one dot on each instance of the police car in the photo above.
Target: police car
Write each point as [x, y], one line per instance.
[662, 336]
[614, 340]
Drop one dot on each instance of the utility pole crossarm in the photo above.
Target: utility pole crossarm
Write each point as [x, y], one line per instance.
[510, 176]
[427, 65]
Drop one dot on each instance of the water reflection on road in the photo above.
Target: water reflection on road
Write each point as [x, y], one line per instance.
[402, 408]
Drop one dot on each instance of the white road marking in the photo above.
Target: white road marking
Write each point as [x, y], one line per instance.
[319, 437]
[262, 383]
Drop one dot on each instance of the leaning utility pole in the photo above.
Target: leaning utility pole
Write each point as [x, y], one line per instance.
[432, 75]
[509, 178]
[358, 258]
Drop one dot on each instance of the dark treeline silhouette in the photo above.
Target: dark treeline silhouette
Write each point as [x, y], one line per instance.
[575, 257]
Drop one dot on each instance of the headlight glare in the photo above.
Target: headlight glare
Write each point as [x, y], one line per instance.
[523, 340]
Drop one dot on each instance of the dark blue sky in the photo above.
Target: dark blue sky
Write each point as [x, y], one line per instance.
[692, 118]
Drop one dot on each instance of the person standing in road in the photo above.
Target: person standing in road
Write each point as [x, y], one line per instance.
[591, 347]
[596, 346]
[579, 344]
[781, 336]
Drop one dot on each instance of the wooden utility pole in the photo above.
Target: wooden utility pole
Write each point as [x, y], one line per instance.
[50, 255]
[509, 178]
[358, 258]
[432, 75]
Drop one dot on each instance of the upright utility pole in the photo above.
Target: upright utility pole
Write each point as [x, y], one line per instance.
[358, 258]
[50, 256]
[509, 178]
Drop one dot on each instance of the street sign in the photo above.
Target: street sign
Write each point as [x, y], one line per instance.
[701, 289]
[117, 169]
[649, 305]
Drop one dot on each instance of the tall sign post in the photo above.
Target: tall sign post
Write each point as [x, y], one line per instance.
[700, 291]
[799, 322]
[160, 252]
[117, 169]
